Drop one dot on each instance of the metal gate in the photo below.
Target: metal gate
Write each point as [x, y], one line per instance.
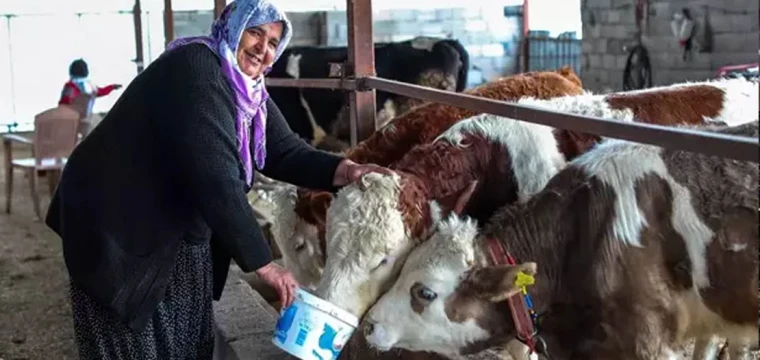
[548, 53]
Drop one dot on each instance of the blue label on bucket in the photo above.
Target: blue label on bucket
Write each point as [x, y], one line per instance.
[285, 322]
[301, 337]
[327, 341]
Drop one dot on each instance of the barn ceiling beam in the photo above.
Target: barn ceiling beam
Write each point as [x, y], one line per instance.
[361, 63]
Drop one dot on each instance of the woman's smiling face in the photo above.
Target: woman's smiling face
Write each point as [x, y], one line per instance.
[257, 48]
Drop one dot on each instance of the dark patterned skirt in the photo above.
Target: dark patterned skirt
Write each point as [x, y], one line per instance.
[181, 328]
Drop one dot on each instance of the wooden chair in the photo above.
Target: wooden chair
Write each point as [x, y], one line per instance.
[80, 104]
[55, 136]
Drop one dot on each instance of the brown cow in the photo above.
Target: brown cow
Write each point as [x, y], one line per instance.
[372, 228]
[639, 248]
[301, 213]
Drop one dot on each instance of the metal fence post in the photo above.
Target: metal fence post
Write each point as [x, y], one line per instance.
[219, 6]
[361, 63]
[168, 22]
[137, 18]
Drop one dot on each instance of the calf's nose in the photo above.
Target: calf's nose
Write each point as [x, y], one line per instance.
[369, 328]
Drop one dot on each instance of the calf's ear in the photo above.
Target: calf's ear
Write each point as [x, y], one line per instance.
[319, 205]
[313, 206]
[499, 282]
[458, 200]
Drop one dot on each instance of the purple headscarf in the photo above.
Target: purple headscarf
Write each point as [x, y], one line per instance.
[250, 94]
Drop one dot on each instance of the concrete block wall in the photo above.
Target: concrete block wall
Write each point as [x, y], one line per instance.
[609, 26]
[309, 25]
[192, 23]
[491, 39]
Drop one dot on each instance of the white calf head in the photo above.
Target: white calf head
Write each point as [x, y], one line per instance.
[442, 301]
[297, 239]
[366, 238]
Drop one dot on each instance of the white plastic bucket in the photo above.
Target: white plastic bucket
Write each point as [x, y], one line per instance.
[313, 329]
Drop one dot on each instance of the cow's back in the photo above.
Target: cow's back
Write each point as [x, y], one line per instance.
[724, 193]
[429, 120]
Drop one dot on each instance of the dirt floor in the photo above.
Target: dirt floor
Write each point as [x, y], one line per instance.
[35, 316]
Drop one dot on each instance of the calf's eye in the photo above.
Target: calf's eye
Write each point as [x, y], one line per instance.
[427, 294]
[424, 293]
[382, 263]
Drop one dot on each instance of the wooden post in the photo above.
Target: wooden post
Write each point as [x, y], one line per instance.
[525, 44]
[219, 6]
[526, 23]
[168, 22]
[11, 80]
[361, 63]
[137, 16]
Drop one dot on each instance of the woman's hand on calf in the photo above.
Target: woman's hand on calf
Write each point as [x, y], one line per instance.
[348, 172]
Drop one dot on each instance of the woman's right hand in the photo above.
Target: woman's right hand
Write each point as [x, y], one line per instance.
[282, 281]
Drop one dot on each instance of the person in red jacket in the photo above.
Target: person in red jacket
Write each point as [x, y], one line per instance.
[79, 83]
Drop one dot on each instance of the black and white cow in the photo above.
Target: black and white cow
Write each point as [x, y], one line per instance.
[433, 62]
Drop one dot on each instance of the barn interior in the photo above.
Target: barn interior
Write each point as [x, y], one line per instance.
[612, 45]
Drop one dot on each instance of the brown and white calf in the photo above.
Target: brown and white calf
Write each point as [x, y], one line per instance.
[371, 226]
[638, 248]
[300, 213]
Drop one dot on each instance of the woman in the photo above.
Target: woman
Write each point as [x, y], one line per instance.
[80, 84]
[157, 191]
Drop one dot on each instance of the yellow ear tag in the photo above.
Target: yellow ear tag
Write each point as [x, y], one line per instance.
[524, 280]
